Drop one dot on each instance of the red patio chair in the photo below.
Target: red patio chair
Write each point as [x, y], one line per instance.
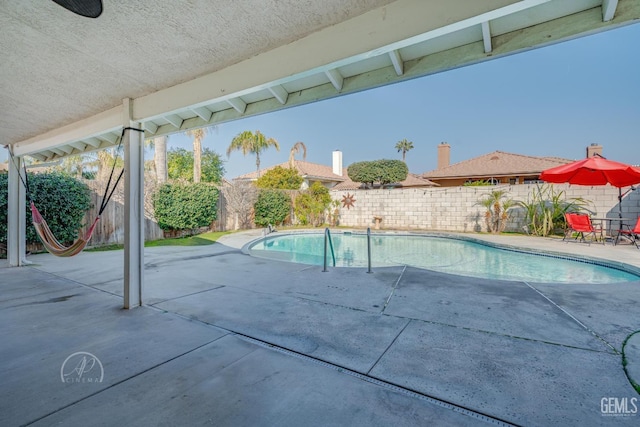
[581, 224]
[632, 234]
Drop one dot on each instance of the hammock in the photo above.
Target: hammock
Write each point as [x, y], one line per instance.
[51, 244]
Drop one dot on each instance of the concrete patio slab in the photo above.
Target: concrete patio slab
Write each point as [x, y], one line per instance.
[350, 338]
[234, 340]
[508, 308]
[610, 310]
[525, 382]
[40, 331]
[234, 383]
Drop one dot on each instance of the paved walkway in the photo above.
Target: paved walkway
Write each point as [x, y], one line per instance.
[227, 339]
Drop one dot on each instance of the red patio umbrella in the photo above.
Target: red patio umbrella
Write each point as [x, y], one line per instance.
[594, 170]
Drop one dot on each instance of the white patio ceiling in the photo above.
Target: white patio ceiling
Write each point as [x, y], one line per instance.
[189, 64]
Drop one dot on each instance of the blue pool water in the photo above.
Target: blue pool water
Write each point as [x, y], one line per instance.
[442, 254]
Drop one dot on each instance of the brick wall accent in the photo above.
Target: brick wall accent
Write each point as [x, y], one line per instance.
[457, 208]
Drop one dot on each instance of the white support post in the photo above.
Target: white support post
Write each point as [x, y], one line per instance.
[133, 210]
[16, 222]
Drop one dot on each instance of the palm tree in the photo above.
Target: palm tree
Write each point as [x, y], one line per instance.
[160, 158]
[404, 146]
[295, 150]
[198, 135]
[248, 142]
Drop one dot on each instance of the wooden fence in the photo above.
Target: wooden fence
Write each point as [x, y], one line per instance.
[110, 228]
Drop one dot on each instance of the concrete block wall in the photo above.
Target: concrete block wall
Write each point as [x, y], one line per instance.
[457, 208]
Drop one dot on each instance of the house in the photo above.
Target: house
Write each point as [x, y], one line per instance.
[328, 176]
[497, 167]
[333, 177]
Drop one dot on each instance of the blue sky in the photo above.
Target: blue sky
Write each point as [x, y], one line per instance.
[552, 101]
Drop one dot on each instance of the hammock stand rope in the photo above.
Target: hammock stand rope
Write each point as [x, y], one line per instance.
[49, 241]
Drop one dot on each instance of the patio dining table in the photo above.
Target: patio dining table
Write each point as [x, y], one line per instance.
[611, 227]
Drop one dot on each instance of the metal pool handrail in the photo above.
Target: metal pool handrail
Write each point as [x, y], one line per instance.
[327, 238]
[369, 249]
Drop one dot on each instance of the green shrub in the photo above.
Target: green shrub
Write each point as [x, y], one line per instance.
[272, 207]
[545, 208]
[311, 205]
[62, 200]
[381, 172]
[185, 206]
[280, 178]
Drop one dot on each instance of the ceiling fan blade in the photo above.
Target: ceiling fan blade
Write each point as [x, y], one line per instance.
[88, 8]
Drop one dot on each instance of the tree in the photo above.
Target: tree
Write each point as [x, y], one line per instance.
[295, 150]
[310, 205]
[254, 143]
[404, 146]
[198, 135]
[271, 207]
[281, 178]
[239, 198]
[180, 165]
[160, 158]
[381, 172]
[497, 205]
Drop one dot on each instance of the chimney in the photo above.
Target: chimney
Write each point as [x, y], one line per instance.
[337, 162]
[594, 149]
[444, 155]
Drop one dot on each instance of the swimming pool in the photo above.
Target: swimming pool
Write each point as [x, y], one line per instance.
[438, 253]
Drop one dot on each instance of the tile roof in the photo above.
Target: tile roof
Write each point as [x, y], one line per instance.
[306, 169]
[495, 164]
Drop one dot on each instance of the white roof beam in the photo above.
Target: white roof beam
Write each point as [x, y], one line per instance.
[94, 142]
[150, 126]
[280, 93]
[238, 104]
[110, 120]
[397, 62]
[58, 151]
[39, 156]
[108, 137]
[66, 149]
[609, 9]
[78, 145]
[175, 120]
[203, 112]
[486, 37]
[335, 78]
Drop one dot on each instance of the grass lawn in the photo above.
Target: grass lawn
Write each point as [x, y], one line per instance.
[199, 240]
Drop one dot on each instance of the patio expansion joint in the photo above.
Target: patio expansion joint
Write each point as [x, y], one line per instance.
[395, 286]
[187, 295]
[81, 284]
[483, 331]
[393, 341]
[117, 383]
[382, 383]
[575, 319]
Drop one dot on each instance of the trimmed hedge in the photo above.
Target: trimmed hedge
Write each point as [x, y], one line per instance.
[185, 206]
[272, 207]
[62, 200]
[381, 172]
